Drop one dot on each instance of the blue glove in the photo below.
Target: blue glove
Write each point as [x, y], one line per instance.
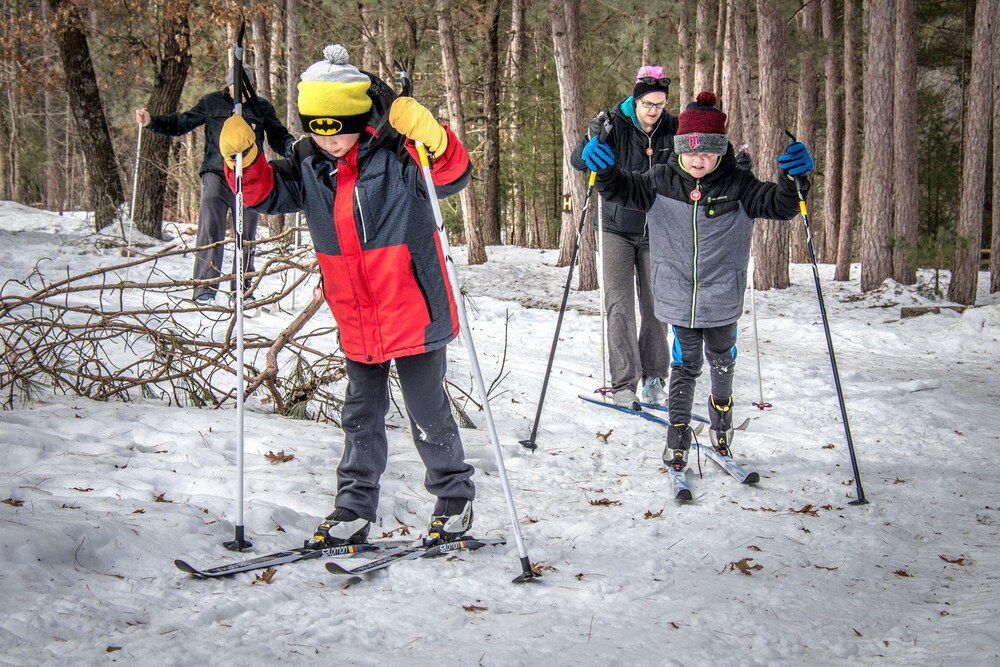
[597, 155]
[796, 159]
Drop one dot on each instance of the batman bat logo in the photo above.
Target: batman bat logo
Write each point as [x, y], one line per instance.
[325, 126]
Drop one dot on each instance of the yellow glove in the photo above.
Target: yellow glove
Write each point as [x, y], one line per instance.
[237, 137]
[412, 120]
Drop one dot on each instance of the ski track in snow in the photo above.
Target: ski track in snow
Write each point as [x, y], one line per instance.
[113, 492]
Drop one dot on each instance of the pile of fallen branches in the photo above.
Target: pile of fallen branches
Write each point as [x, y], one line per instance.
[132, 330]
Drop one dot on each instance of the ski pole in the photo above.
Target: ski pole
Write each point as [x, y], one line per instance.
[239, 543]
[527, 573]
[599, 214]
[135, 184]
[761, 404]
[530, 442]
[860, 500]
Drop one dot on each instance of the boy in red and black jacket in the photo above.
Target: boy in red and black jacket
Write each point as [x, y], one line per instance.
[384, 278]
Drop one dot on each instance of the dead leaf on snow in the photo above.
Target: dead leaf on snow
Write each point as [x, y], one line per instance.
[265, 576]
[160, 498]
[605, 502]
[745, 567]
[954, 561]
[12, 502]
[473, 609]
[902, 573]
[280, 457]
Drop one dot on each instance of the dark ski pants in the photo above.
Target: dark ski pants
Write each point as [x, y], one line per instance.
[691, 348]
[217, 203]
[435, 433]
[633, 353]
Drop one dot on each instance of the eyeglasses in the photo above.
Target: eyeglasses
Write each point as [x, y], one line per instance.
[654, 81]
[649, 106]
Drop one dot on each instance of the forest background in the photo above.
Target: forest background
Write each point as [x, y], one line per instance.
[897, 100]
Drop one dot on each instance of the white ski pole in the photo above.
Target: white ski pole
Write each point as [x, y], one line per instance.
[761, 404]
[135, 184]
[239, 543]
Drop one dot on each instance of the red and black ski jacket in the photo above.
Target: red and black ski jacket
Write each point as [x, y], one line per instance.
[373, 228]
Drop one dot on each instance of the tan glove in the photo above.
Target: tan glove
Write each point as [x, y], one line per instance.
[412, 120]
[237, 137]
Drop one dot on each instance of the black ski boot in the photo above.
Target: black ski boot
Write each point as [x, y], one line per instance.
[340, 528]
[452, 519]
[675, 454]
[721, 429]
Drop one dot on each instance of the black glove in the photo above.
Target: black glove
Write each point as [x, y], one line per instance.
[743, 159]
[600, 127]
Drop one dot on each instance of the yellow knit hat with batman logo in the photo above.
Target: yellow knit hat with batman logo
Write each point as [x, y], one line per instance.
[333, 95]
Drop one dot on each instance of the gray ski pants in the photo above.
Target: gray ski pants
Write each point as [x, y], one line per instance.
[217, 202]
[435, 433]
[631, 355]
[691, 348]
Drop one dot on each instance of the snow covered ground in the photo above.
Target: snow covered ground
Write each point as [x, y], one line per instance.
[99, 498]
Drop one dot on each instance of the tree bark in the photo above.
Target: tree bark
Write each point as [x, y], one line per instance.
[852, 108]
[770, 238]
[995, 246]
[475, 248]
[513, 71]
[685, 72]
[93, 135]
[721, 34]
[703, 37]
[877, 159]
[565, 37]
[292, 67]
[491, 136]
[173, 62]
[905, 188]
[833, 152]
[806, 113]
[965, 269]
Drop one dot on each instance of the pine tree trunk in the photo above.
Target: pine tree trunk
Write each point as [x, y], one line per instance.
[877, 160]
[292, 67]
[704, 34]
[565, 38]
[720, 39]
[905, 187]
[833, 152]
[456, 115]
[852, 111]
[92, 133]
[770, 238]
[995, 246]
[684, 69]
[491, 140]
[806, 114]
[965, 269]
[513, 71]
[174, 61]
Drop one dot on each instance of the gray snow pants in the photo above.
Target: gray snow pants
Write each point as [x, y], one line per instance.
[631, 356]
[217, 202]
[435, 433]
[691, 348]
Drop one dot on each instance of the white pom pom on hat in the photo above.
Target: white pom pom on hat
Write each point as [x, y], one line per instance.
[335, 53]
